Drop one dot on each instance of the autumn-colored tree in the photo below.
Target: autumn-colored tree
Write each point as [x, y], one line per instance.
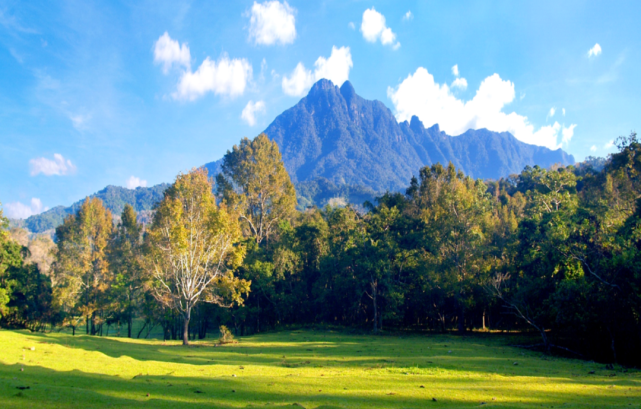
[256, 184]
[125, 261]
[193, 248]
[81, 275]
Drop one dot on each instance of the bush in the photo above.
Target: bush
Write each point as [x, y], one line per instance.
[226, 337]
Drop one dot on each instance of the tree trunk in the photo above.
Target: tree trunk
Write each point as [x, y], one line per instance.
[461, 319]
[73, 331]
[483, 320]
[187, 316]
[129, 322]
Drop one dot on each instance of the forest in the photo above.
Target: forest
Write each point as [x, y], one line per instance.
[553, 252]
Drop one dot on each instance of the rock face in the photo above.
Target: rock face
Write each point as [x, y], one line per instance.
[335, 134]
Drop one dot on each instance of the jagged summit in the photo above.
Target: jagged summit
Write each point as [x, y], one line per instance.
[336, 134]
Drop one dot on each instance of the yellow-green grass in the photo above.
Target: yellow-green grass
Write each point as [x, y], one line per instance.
[309, 368]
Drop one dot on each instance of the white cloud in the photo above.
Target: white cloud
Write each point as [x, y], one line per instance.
[593, 148]
[251, 109]
[408, 16]
[17, 210]
[58, 166]
[563, 111]
[134, 182]
[373, 28]
[552, 112]
[609, 145]
[272, 22]
[455, 71]
[434, 103]
[225, 77]
[351, 25]
[594, 51]
[168, 52]
[335, 68]
[460, 83]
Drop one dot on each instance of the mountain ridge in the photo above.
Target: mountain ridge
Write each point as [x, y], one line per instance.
[336, 144]
[336, 134]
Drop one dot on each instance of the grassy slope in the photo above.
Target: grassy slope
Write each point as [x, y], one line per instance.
[304, 367]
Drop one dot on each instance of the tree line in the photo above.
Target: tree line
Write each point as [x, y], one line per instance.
[552, 251]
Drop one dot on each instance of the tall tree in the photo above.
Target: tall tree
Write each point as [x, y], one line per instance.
[125, 252]
[254, 182]
[81, 272]
[10, 256]
[456, 211]
[194, 248]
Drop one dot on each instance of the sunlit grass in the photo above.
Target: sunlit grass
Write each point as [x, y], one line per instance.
[309, 368]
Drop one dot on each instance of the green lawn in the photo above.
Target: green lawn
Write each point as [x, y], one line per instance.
[308, 368]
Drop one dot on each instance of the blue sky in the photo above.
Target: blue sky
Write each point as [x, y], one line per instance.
[131, 93]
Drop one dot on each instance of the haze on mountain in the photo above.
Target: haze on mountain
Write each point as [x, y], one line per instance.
[341, 148]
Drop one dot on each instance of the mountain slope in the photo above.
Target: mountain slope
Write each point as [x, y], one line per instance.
[335, 134]
[142, 199]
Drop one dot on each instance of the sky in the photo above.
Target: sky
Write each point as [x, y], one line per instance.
[132, 93]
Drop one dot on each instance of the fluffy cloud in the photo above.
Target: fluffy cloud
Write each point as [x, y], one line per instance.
[335, 68]
[373, 28]
[272, 22]
[609, 145]
[351, 25]
[594, 51]
[169, 52]
[434, 103]
[593, 148]
[134, 182]
[251, 109]
[17, 210]
[224, 77]
[563, 110]
[408, 16]
[552, 112]
[58, 166]
[460, 83]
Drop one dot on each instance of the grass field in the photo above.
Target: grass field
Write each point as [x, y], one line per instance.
[306, 368]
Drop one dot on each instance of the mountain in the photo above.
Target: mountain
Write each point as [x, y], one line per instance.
[335, 134]
[339, 147]
[142, 199]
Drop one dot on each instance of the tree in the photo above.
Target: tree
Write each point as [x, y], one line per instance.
[455, 210]
[10, 256]
[81, 275]
[256, 184]
[194, 247]
[125, 252]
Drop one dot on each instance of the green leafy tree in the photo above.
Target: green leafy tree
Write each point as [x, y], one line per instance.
[125, 261]
[194, 247]
[10, 256]
[81, 275]
[255, 183]
[455, 211]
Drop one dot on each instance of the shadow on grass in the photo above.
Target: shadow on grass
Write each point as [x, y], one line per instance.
[50, 388]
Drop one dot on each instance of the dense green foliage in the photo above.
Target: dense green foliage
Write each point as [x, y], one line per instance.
[552, 251]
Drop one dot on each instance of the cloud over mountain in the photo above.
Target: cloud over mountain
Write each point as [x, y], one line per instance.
[433, 103]
[335, 68]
